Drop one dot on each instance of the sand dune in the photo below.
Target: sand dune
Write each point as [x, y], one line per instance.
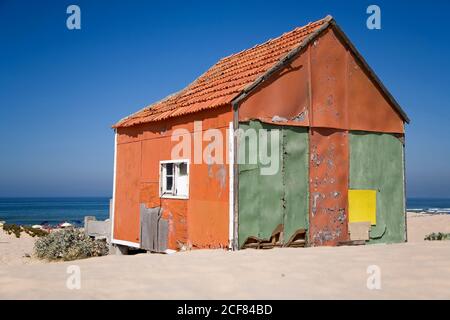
[417, 270]
[13, 250]
[420, 225]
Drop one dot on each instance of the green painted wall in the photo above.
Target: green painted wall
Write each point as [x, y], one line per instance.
[376, 162]
[265, 201]
[296, 179]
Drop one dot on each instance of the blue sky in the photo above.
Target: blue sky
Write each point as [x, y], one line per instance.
[61, 90]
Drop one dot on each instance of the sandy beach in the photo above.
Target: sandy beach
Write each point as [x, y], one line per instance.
[418, 270]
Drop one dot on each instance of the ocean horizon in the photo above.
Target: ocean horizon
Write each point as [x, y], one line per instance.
[55, 210]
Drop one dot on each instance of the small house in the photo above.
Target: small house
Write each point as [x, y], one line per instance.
[294, 142]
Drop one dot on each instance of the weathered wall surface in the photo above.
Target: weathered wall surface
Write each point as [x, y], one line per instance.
[200, 221]
[343, 95]
[328, 217]
[368, 108]
[296, 176]
[266, 201]
[329, 83]
[324, 90]
[260, 196]
[284, 99]
[327, 90]
[324, 87]
[376, 163]
[126, 212]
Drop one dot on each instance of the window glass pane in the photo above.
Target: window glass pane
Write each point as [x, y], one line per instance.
[183, 169]
[169, 169]
[181, 179]
[169, 183]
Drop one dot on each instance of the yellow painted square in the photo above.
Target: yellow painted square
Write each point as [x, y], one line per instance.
[362, 206]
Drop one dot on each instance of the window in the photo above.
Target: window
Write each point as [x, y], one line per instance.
[174, 179]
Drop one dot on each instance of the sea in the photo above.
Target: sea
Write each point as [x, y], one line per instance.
[428, 205]
[53, 211]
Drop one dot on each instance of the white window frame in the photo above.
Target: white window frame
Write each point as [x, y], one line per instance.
[172, 196]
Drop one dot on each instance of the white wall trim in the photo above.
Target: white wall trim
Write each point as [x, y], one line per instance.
[113, 209]
[114, 186]
[231, 185]
[175, 161]
[126, 243]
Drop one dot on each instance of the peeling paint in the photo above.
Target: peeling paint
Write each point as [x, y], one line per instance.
[328, 186]
[277, 119]
[266, 202]
[371, 169]
[301, 116]
[335, 194]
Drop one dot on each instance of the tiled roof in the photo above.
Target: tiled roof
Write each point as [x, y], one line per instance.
[226, 79]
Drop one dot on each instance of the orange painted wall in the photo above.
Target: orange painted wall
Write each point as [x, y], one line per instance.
[328, 186]
[126, 211]
[285, 96]
[328, 85]
[328, 81]
[369, 110]
[343, 95]
[200, 221]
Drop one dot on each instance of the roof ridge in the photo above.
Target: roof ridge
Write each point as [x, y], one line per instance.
[317, 22]
[301, 28]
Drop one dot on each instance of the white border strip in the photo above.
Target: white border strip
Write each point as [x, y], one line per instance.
[231, 185]
[126, 243]
[114, 187]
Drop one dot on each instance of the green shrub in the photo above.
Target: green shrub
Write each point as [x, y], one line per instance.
[17, 230]
[69, 244]
[12, 229]
[34, 232]
[438, 236]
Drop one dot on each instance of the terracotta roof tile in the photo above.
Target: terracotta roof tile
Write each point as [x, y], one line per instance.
[225, 80]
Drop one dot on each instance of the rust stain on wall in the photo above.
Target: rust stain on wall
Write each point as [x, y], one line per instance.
[174, 211]
[328, 73]
[149, 195]
[328, 217]
[369, 110]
